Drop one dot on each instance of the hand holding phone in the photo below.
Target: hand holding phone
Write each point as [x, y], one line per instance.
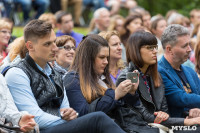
[133, 76]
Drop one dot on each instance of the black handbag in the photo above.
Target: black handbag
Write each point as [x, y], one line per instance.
[127, 118]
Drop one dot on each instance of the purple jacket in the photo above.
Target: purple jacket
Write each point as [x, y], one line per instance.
[78, 37]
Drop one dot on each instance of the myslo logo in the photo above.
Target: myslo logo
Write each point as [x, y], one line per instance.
[184, 128]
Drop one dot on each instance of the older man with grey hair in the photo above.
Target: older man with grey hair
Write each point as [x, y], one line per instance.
[182, 85]
[101, 20]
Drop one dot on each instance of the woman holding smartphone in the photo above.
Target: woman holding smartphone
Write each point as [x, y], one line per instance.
[89, 78]
[141, 55]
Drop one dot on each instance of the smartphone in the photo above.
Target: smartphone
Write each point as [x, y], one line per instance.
[133, 76]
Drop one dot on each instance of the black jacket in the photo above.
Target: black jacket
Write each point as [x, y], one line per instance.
[48, 95]
[147, 105]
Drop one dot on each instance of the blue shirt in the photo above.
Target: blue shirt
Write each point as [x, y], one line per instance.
[19, 85]
[78, 37]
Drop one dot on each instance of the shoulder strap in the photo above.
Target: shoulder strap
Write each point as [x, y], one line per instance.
[5, 70]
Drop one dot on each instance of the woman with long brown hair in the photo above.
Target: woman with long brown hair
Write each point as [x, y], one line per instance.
[89, 78]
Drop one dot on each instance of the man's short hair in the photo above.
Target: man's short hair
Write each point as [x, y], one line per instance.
[59, 16]
[36, 29]
[171, 34]
[99, 11]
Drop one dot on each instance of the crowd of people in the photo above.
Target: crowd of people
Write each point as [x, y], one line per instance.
[58, 80]
[9, 8]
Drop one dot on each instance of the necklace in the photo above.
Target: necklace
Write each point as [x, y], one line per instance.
[114, 72]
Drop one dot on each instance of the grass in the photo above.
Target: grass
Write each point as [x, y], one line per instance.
[18, 31]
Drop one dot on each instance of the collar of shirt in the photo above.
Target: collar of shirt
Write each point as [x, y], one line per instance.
[60, 67]
[47, 69]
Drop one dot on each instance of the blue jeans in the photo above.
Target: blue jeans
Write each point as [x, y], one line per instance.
[41, 5]
[26, 7]
[96, 122]
[9, 6]
[94, 3]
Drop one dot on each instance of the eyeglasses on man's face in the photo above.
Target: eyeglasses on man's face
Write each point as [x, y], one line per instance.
[67, 48]
[151, 47]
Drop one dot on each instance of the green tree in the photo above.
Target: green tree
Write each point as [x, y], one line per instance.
[162, 6]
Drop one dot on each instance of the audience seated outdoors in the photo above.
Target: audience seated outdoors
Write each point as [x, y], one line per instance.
[89, 79]
[101, 19]
[38, 89]
[9, 111]
[64, 57]
[84, 84]
[65, 25]
[5, 34]
[58, 80]
[182, 85]
[151, 102]
[116, 62]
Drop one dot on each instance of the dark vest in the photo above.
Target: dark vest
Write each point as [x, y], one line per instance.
[48, 95]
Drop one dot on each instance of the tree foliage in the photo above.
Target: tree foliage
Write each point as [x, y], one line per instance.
[162, 6]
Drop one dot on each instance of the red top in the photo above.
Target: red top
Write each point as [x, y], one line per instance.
[4, 56]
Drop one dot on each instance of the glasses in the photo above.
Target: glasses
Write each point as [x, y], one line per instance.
[67, 48]
[5, 32]
[151, 47]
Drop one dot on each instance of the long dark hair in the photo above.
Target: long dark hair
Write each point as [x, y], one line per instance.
[83, 64]
[134, 44]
